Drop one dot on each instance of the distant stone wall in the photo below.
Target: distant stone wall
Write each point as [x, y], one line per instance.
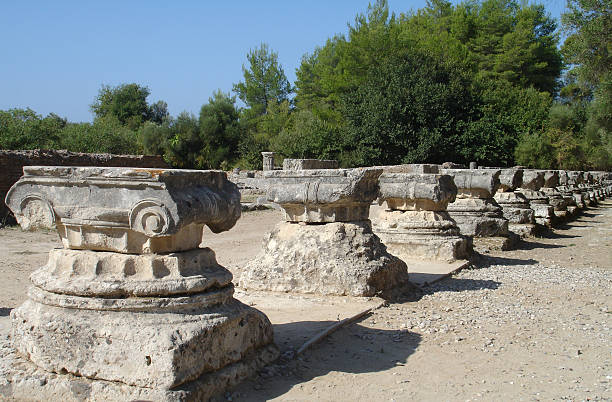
[249, 182]
[417, 168]
[12, 163]
[301, 164]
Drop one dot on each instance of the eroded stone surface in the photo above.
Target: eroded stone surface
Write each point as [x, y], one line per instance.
[22, 380]
[475, 211]
[132, 322]
[125, 210]
[340, 258]
[105, 274]
[510, 179]
[145, 349]
[424, 235]
[301, 164]
[415, 224]
[326, 195]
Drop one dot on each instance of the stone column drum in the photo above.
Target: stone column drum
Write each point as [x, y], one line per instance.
[268, 160]
[476, 212]
[515, 207]
[555, 198]
[326, 244]
[131, 308]
[533, 181]
[566, 192]
[415, 224]
[575, 178]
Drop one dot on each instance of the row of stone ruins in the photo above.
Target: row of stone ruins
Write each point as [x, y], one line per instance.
[134, 307]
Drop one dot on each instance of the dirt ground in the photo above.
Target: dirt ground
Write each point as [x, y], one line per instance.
[529, 324]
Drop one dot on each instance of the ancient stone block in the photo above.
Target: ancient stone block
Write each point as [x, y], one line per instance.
[339, 258]
[475, 211]
[327, 245]
[125, 210]
[326, 195]
[131, 322]
[411, 168]
[301, 164]
[415, 224]
[268, 160]
[533, 181]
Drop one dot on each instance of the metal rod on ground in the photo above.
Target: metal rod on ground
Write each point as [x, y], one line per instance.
[335, 327]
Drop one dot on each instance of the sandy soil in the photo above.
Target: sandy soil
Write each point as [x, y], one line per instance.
[529, 324]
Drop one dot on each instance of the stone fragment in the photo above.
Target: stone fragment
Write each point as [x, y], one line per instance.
[301, 164]
[268, 160]
[326, 195]
[565, 189]
[125, 210]
[131, 323]
[415, 224]
[515, 207]
[475, 210]
[411, 168]
[326, 245]
[533, 181]
[555, 198]
[338, 258]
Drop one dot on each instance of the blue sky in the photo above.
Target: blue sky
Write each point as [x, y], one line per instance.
[55, 55]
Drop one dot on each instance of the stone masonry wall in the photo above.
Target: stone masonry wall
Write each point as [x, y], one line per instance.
[12, 163]
[301, 164]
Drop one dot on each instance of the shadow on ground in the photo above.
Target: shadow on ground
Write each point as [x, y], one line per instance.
[460, 285]
[531, 245]
[5, 311]
[551, 234]
[352, 350]
[486, 261]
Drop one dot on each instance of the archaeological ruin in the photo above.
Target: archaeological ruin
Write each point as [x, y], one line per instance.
[326, 244]
[134, 305]
[131, 308]
[414, 223]
[475, 210]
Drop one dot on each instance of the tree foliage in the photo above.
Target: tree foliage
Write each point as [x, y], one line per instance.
[478, 80]
[264, 82]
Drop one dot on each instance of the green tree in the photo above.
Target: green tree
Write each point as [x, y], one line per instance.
[158, 112]
[410, 109]
[184, 145]
[154, 137]
[25, 129]
[104, 135]
[588, 24]
[264, 81]
[587, 49]
[126, 102]
[219, 132]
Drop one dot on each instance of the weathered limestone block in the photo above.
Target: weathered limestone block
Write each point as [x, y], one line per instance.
[510, 179]
[339, 258]
[415, 224]
[533, 181]
[515, 207]
[326, 195]
[125, 210]
[301, 164]
[475, 210]
[326, 245]
[131, 325]
[99, 273]
[411, 168]
[268, 160]
[555, 198]
[565, 189]
[574, 178]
